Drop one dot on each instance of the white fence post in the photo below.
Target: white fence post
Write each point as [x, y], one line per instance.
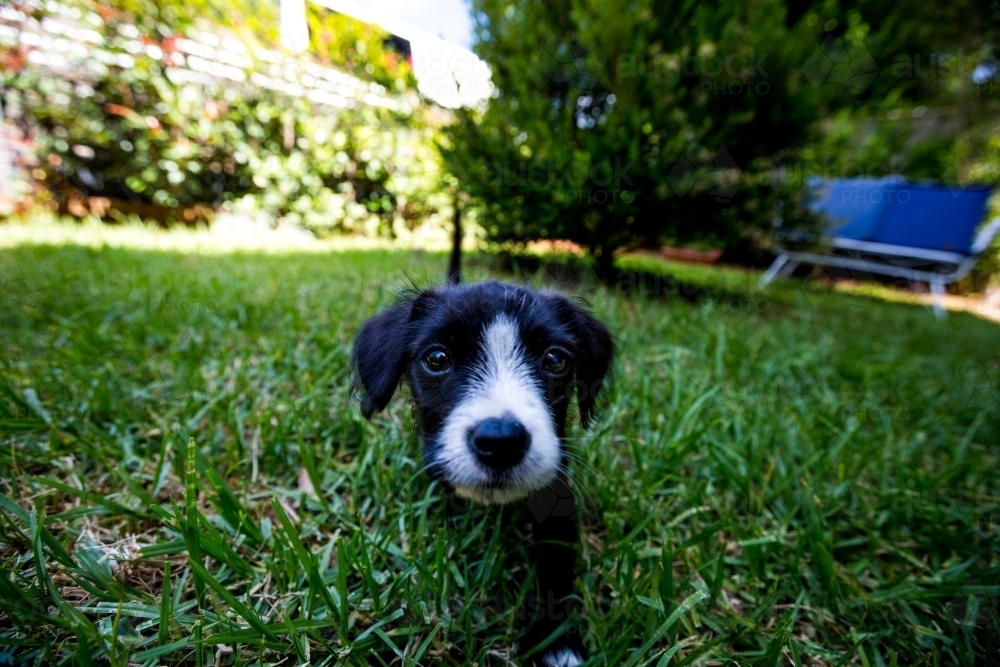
[294, 27]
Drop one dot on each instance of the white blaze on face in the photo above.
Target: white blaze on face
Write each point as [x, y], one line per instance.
[501, 385]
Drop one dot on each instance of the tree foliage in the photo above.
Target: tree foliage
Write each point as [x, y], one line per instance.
[615, 126]
[622, 124]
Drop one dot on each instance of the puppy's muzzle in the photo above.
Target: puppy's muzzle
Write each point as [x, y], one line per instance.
[499, 443]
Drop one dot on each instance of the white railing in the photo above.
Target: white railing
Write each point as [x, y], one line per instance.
[67, 43]
[446, 73]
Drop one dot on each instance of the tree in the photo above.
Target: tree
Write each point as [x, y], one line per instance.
[925, 102]
[621, 125]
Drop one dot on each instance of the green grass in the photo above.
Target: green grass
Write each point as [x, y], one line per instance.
[795, 477]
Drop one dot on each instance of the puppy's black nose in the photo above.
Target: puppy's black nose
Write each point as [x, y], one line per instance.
[499, 443]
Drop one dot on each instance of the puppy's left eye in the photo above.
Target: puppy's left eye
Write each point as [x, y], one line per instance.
[555, 362]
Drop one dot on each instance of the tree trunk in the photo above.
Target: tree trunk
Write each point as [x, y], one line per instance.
[455, 263]
[604, 267]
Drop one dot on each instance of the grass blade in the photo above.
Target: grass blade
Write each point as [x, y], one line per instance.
[689, 602]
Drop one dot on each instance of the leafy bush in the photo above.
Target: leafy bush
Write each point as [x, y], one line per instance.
[132, 133]
[356, 47]
[335, 39]
[623, 125]
[616, 127]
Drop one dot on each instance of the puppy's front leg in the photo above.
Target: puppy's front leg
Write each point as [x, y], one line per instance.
[555, 527]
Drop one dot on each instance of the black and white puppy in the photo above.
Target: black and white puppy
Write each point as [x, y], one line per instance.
[492, 369]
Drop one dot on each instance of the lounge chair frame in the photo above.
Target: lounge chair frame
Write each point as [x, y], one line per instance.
[938, 268]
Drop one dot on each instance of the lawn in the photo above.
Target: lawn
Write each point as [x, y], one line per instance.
[793, 477]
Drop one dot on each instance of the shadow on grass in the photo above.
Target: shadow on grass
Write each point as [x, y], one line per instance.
[732, 288]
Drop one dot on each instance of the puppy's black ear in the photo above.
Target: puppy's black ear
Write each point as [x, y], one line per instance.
[595, 350]
[380, 356]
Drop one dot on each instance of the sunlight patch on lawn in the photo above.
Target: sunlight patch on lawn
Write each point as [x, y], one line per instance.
[228, 235]
[736, 280]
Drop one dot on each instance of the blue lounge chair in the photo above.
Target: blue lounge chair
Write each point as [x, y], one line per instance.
[920, 233]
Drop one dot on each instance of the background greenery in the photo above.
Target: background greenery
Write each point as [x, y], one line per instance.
[132, 134]
[608, 105]
[186, 478]
[334, 39]
[721, 110]
[613, 126]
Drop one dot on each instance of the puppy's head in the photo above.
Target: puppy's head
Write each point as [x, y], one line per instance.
[492, 369]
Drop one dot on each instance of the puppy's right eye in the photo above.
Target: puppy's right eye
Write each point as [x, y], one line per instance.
[437, 361]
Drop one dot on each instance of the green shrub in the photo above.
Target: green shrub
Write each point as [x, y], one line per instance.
[132, 133]
[360, 48]
[616, 127]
